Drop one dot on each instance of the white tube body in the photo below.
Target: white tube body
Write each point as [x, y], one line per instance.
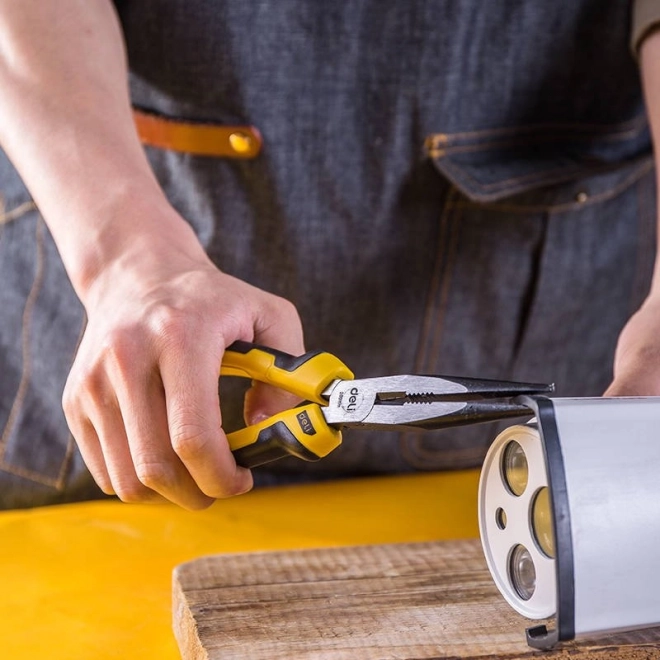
[611, 455]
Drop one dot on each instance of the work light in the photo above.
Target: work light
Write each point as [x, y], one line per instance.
[569, 515]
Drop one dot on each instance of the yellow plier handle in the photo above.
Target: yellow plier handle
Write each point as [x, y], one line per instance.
[302, 431]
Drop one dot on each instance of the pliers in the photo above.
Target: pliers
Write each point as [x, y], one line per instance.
[336, 400]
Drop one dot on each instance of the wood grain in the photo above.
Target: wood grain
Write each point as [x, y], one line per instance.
[399, 601]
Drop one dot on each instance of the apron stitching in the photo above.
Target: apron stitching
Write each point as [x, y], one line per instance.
[61, 477]
[537, 178]
[8, 216]
[568, 206]
[30, 475]
[27, 314]
[441, 148]
[438, 290]
[436, 283]
[612, 131]
[436, 344]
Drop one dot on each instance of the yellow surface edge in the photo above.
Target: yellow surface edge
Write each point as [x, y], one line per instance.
[93, 580]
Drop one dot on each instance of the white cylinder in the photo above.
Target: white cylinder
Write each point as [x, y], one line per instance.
[600, 458]
[611, 452]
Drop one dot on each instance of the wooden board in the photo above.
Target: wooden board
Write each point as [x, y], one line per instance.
[403, 601]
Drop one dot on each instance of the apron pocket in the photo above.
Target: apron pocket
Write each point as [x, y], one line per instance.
[494, 164]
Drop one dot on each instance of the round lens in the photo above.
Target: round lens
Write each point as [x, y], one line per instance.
[542, 522]
[500, 518]
[522, 573]
[514, 468]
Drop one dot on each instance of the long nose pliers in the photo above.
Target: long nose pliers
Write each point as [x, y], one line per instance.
[334, 399]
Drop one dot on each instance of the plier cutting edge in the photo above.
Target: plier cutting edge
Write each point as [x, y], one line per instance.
[336, 400]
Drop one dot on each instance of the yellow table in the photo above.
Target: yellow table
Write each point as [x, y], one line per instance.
[92, 580]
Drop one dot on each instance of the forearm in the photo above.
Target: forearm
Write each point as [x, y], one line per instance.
[66, 124]
[650, 68]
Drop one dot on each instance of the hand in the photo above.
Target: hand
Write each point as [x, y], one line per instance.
[142, 397]
[637, 359]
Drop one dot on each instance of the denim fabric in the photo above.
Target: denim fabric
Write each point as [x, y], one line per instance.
[41, 321]
[445, 187]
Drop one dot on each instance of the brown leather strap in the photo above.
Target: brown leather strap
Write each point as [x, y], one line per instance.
[198, 138]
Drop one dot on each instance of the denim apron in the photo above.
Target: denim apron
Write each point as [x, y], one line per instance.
[445, 187]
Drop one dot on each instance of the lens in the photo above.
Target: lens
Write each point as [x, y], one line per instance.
[500, 518]
[514, 468]
[542, 522]
[522, 572]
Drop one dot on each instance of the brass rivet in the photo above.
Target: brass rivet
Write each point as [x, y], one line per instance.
[581, 197]
[240, 142]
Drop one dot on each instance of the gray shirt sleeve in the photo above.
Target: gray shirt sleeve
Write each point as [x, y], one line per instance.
[645, 19]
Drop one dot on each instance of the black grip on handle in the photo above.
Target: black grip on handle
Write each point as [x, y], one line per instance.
[283, 360]
[273, 443]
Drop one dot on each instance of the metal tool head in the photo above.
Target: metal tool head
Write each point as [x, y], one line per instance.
[428, 402]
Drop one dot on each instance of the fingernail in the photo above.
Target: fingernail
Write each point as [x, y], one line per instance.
[248, 485]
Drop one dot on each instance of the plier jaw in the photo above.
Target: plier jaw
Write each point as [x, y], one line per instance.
[426, 402]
